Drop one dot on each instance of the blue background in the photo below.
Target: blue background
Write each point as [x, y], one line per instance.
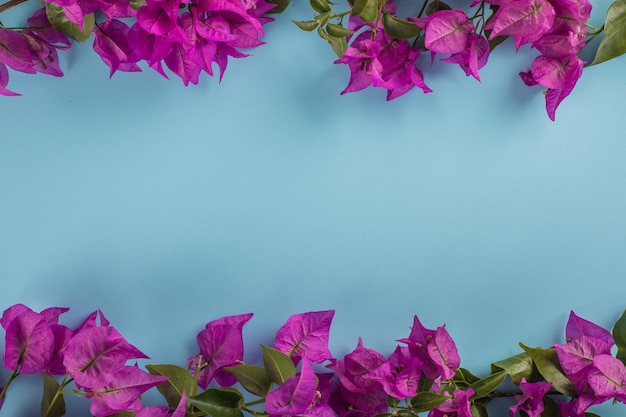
[167, 207]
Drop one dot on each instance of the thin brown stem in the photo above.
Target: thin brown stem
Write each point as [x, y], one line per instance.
[11, 3]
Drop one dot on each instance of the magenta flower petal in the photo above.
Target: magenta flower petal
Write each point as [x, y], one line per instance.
[577, 327]
[525, 20]
[306, 336]
[221, 345]
[4, 81]
[447, 31]
[443, 353]
[352, 370]
[295, 396]
[95, 355]
[609, 377]
[29, 343]
[531, 400]
[578, 353]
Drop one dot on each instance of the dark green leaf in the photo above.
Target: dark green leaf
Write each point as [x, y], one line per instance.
[435, 6]
[425, 401]
[369, 12]
[464, 376]
[518, 367]
[123, 414]
[323, 18]
[52, 405]
[339, 45]
[406, 413]
[218, 402]
[59, 21]
[488, 384]
[613, 43]
[281, 5]
[337, 31]
[399, 28]
[587, 414]
[179, 380]
[619, 334]
[478, 410]
[253, 378]
[547, 364]
[320, 6]
[358, 7]
[279, 366]
[308, 26]
[550, 408]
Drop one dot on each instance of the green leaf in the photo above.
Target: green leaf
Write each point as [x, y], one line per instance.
[435, 6]
[279, 366]
[399, 28]
[320, 6]
[339, 45]
[619, 334]
[587, 414]
[358, 6]
[488, 384]
[136, 4]
[547, 364]
[550, 408]
[253, 378]
[219, 402]
[369, 13]
[478, 410]
[425, 401]
[56, 406]
[179, 380]
[338, 31]
[406, 413]
[59, 21]
[123, 414]
[308, 25]
[613, 43]
[323, 18]
[464, 376]
[281, 5]
[518, 367]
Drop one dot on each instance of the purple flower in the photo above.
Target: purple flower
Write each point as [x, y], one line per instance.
[524, 20]
[221, 345]
[295, 396]
[457, 406]
[577, 327]
[111, 43]
[400, 375]
[531, 400]
[306, 336]
[352, 370]
[472, 58]
[446, 31]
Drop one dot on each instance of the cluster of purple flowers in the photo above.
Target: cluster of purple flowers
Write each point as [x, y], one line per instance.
[189, 36]
[556, 28]
[423, 372]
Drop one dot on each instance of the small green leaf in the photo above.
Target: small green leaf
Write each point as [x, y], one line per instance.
[435, 6]
[253, 378]
[547, 364]
[478, 410]
[322, 19]
[518, 367]
[399, 28]
[358, 7]
[488, 384]
[281, 5]
[425, 401]
[464, 377]
[339, 45]
[179, 380]
[123, 414]
[551, 408]
[587, 414]
[136, 4]
[52, 405]
[619, 334]
[218, 402]
[57, 19]
[320, 6]
[613, 43]
[308, 25]
[279, 366]
[406, 413]
[369, 13]
[338, 31]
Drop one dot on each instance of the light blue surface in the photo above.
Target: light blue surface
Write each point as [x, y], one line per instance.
[167, 207]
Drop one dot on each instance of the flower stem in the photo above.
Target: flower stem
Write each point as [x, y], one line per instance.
[11, 3]
[13, 375]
